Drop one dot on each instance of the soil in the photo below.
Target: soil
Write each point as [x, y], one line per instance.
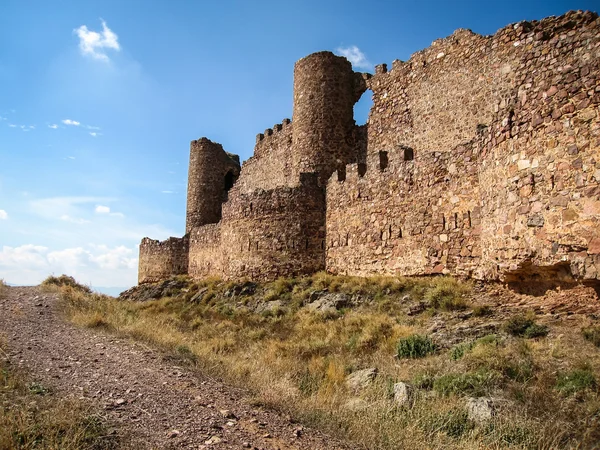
[149, 400]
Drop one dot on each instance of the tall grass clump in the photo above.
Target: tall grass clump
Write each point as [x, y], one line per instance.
[56, 283]
[415, 346]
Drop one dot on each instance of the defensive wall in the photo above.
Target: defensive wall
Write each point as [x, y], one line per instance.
[480, 158]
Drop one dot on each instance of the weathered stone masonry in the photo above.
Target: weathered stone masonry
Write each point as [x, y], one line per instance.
[480, 157]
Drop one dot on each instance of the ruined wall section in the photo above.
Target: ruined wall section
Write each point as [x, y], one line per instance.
[271, 165]
[161, 260]
[266, 234]
[212, 172]
[540, 174]
[403, 216]
[205, 254]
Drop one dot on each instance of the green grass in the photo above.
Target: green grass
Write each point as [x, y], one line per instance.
[524, 326]
[415, 346]
[576, 381]
[592, 334]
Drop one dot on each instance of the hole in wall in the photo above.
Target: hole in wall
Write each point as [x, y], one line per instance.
[383, 160]
[362, 169]
[408, 154]
[229, 180]
[341, 173]
[362, 108]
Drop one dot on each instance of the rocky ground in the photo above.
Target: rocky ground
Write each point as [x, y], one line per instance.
[148, 399]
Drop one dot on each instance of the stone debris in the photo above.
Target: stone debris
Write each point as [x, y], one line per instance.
[403, 394]
[361, 379]
[480, 409]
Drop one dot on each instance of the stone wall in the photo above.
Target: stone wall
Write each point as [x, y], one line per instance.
[271, 165]
[540, 172]
[405, 216]
[160, 260]
[480, 157]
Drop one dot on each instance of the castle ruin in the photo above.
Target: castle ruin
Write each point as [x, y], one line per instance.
[480, 158]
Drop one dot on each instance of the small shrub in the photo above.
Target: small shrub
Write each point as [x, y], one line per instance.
[482, 311]
[65, 281]
[576, 381]
[592, 334]
[524, 326]
[415, 346]
[475, 383]
[447, 294]
[458, 351]
[535, 330]
[423, 381]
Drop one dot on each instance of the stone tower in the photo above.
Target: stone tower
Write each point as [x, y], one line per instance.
[325, 91]
[212, 172]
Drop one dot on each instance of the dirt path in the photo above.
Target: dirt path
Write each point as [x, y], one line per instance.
[152, 402]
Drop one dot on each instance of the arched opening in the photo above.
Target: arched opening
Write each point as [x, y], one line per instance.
[229, 180]
[362, 108]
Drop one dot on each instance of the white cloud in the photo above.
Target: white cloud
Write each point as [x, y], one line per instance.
[167, 192]
[94, 134]
[68, 218]
[53, 126]
[3, 215]
[117, 214]
[95, 44]
[90, 127]
[71, 122]
[100, 209]
[108, 266]
[70, 157]
[12, 125]
[355, 56]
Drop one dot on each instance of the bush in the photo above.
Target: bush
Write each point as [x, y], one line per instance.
[447, 294]
[458, 351]
[65, 281]
[482, 311]
[576, 381]
[474, 383]
[415, 346]
[525, 326]
[592, 334]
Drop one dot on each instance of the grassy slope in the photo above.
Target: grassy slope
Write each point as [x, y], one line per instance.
[297, 361]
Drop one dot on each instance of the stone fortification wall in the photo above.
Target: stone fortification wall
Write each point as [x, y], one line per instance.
[206, 254]
[160, 260]
[481, 157]
[540, 172]
[272, 233]
[271, 164]
[211, 174]
[404, 216]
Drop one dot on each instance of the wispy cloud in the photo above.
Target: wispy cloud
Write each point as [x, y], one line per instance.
[12, 125]
[355, 56]
[95, 134]
[3, 215]
[101, 209]
[53, 126]
[76, 220]
[167, 192]
[95, 44]
[71, 122]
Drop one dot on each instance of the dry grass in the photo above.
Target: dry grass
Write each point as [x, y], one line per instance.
[31, 417]
[297, 362]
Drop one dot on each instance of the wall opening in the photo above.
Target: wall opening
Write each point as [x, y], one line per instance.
[362, 169]
[408, 154]
[362, 108]
[229, 180]
[341, 173]
[383, 160]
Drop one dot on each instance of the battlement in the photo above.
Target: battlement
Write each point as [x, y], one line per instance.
[479, 157]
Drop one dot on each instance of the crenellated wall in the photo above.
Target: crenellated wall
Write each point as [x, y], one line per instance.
[480, 157]
[271, 165]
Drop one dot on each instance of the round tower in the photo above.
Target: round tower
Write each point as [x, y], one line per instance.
[325, 91]
[212, 173]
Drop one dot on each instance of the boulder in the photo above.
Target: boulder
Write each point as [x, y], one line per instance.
[480, 409]
[329, 302]
[361, 379]
[403, 394]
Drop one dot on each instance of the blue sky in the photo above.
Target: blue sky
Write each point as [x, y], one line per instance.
[100, 99]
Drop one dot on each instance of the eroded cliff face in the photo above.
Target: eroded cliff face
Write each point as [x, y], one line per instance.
[480, 158]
